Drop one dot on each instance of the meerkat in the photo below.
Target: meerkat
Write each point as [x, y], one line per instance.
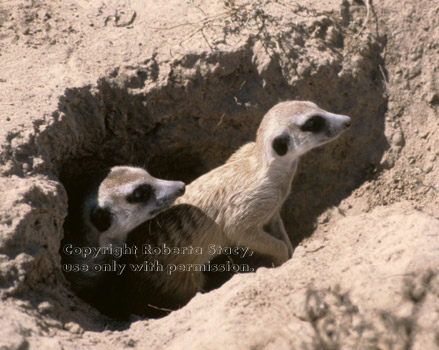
[120, 199]
[236, 204]
[125, 198]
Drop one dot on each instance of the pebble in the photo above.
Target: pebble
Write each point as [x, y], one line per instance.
[45, 307]
[424, 135]
[398, 138]
[74, 328]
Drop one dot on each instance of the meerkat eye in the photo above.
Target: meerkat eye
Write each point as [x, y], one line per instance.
[141, 194]
[314, 124]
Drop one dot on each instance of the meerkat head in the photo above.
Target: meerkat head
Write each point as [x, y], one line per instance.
[125, 198]
[292, 128]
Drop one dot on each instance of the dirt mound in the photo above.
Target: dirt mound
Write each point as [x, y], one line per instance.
[84, 86]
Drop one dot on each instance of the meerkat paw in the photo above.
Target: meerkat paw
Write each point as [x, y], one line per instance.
[276, 227]
[282, 256]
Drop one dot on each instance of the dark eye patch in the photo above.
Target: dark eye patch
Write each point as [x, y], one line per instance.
[314, 124]
[280, 144]
[101, 218]
[141, 194]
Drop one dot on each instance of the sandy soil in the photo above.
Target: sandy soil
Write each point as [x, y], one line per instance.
[85, 85]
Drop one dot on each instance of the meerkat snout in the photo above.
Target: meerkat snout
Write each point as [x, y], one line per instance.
[166, 193]
[347, 123]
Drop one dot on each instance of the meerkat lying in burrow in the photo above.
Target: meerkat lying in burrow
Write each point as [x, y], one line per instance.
[231, 205]
[118, 200]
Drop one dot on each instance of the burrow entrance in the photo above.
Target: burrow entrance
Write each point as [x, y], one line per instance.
[195, 122]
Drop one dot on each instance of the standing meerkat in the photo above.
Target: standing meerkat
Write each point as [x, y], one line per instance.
[119, 199]
[236, 204]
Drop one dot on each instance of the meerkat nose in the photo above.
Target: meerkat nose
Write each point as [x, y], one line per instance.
[347, 123]
[181, 190]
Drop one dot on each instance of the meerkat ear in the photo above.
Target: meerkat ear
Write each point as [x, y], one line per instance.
[280, 144]
[101, 218]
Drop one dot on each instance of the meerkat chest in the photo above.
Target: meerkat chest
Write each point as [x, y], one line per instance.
[255, 205]
[281, 177]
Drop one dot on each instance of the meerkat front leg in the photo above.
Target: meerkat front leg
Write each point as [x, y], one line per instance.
[263, 243]
[276, 227]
